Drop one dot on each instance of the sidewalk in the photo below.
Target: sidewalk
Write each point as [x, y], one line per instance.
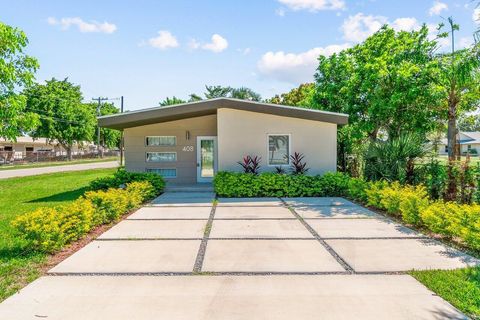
[5, 174]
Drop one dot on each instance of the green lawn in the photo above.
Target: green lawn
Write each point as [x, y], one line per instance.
[459, 287]
[56, 163]
[19, 195]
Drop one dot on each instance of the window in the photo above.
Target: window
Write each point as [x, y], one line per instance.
[278, 149]
[161, 156]
[469, 147]
[446, 148]
[161, 141]
[164, 172]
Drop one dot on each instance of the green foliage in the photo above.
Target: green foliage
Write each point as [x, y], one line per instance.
[357, 189]
[390, 198]
[16, 72]
[301, 96]
[384, 84]
[49, 229]
[122, 177]
[63, 116]
[393, 160]
[171, 101]
[374, 193]
[269, 184]
[413, 201]
[109, 138]
[436, 217]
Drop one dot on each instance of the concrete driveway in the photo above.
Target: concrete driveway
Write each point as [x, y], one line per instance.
[183, 258]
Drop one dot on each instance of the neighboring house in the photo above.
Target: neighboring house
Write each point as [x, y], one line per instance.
[27, 145]
[189, 142]
[469, 142]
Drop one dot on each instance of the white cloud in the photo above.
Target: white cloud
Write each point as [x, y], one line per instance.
[163, 41]
[359, 27]
[280, 12]
[465, 42]
[245, 51]
[437, 8]
[314, 5]
[294, 67]
[218, 44]
[405, 24]
[83, 26]
[476, 15]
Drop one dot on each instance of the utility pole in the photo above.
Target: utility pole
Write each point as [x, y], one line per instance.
[121, 134]
[99, 99]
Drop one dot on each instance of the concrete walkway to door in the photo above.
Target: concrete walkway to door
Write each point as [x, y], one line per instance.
[186, 256]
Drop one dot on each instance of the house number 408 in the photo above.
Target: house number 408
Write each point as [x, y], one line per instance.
[188, 148]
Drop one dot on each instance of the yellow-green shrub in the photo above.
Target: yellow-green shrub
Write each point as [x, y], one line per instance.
[41, 228]
[465, 224]
[413, 200]
[109, 205]
[390, 198]
[76, 219]
[374, 195]
[139, 192]
[436, 217]
[357, 189]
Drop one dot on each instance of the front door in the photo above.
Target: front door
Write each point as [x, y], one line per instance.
[206, 158]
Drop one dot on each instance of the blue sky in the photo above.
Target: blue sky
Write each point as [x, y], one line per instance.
[148, 50]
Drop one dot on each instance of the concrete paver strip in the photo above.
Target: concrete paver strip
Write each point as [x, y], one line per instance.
[253, 213]
[258, 229]
[132, 256]
[156, 229]
[268, 256]
[5, 174]
[399, 255]
[152, 213]
[339, 212]
[249, 202]
[327, 297]
[318, 201]
[360, 228]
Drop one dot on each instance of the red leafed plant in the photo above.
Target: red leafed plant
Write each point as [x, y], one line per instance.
[250, 164]
[298, 166]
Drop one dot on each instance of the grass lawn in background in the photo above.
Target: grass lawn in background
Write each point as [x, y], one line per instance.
[460, 287]
[56, 163]
[24, 194]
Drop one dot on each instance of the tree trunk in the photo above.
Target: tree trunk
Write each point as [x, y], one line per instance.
[451, 192]
[69, 153]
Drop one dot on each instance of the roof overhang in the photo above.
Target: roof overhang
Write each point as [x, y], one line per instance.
[208, 107]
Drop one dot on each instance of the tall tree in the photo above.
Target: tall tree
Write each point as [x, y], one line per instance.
[109, 138]
[171, 101]
[217, 92]
[469, 122]
[16, 72]
[301, 96]
[63, 116]
[245, 94]
[386, 84]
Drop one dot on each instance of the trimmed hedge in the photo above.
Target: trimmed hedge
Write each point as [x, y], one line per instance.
[122, 177]
[409, 203]
[268, 184]
[49, 229]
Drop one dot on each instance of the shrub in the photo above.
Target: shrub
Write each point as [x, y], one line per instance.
[76, 219]
[123, 177]
[250, 164]
[413, 201]
[139, 192]
[373, 193]
[391, 197]
[334, 184]
[109, 205]
[357, 189]
[298, 166]
[436, 218]
[41, 228]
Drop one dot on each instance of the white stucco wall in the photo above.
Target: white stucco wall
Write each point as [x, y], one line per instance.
[243, 133]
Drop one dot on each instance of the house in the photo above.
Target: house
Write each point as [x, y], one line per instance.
[26, 147]
[469, 142]
[188, 143]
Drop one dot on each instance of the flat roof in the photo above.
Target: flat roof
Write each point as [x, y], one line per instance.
[206, 107]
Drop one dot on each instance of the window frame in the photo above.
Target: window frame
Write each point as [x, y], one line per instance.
[170, 177]
[289, 149]
[147, 152]
[160, 145]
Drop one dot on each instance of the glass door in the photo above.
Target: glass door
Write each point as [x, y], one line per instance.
[206, 158]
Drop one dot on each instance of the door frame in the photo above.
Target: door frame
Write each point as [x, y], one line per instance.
[199, 151]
